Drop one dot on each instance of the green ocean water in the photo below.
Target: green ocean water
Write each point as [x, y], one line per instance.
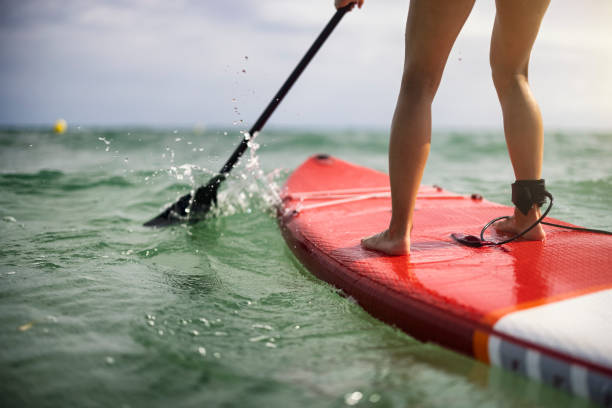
[98, 311]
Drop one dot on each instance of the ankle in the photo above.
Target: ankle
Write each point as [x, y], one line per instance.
[531, 216]
[399, 231]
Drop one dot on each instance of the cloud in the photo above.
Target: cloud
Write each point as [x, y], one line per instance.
[182, 62]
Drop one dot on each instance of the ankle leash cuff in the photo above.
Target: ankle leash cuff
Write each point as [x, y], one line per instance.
[526, 193]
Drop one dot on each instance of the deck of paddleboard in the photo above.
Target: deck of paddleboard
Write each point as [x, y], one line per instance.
[540, 308]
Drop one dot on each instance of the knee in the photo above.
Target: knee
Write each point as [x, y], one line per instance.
[421, 80]
[507, 76]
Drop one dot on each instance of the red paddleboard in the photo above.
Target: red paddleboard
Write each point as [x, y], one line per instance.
[543, 309]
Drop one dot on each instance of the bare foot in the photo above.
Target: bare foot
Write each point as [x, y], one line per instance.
[382, 242]
[519, 222]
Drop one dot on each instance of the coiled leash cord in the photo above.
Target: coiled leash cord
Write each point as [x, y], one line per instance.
[525, 193]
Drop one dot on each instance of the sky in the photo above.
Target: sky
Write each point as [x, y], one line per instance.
[217, 63]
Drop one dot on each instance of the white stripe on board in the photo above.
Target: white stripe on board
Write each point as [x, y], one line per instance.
[494, 355]
[578, 377]
[532, 364]
[580, 327]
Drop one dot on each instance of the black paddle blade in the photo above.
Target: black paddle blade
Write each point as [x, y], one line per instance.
[174, 214]
[204, 198]
[194, 210]
[188, 209]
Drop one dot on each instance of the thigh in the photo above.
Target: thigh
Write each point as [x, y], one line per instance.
[431, 30]
[516, 27]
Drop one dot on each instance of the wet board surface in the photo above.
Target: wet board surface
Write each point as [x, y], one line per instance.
[543, 309]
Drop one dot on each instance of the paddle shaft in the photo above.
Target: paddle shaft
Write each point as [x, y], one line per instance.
[195, 205]
[263, 118]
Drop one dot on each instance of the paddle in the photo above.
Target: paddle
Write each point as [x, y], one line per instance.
[195, 208]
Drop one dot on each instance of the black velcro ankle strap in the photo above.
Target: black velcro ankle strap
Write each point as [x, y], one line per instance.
[526, 193]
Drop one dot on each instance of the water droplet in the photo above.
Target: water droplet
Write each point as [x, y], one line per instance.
[175, 131]
[203, 319]
[257, 338]
[262, 326]
[224, 133]
[151, 323]
[353, 398]
[195, 333]
[202, 351]
[296, 327]
[178, 139]
[110, 360]
[125, 160]
[160, 332]
[374, 398]
[11, 273]
[217, 355]
[220, 333]
[270, 345]
[8, 218]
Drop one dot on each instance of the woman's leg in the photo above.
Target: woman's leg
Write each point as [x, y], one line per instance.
[431, 30]
[516, 26]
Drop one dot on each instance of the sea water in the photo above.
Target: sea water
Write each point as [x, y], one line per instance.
[98, 311]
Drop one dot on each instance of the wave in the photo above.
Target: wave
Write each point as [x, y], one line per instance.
[46, 180]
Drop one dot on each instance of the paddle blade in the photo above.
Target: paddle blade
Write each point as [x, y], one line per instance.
[188, 209]
[204, 198]
[174, 214]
